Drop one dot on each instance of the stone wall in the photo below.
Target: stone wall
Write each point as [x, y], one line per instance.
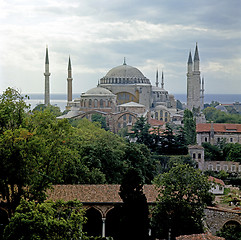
[217, 218]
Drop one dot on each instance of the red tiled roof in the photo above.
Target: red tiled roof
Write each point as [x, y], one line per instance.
[215, 180]
[218, 127]
[203, 236]
[90, 193]
[154, 122]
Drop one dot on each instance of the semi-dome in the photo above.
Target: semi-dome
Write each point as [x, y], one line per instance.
[98, 91]
[124, 74]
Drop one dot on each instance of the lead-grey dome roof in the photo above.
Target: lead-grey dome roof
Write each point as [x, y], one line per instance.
[98, 91]
[124, 71]
[124, 74]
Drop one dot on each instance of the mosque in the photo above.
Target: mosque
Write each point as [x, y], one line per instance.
[124, 94]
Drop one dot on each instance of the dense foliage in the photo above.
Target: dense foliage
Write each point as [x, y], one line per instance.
[230, 232]
[49, 220]
[218, 116]
[37, 150]
[134, 221]
[183, 194]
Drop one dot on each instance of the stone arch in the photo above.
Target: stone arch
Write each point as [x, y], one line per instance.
[93, 226]
[231, 222]
[113, 222]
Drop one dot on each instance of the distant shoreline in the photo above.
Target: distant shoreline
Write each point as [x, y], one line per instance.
[60, 99]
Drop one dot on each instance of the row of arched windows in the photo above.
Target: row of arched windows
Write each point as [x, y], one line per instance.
[123, 80]
[89, 103]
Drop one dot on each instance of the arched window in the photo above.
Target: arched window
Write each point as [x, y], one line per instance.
[161, 114]
[96, 103]
[90, 103]
[156, 115]
[130, 118]
[101, 103]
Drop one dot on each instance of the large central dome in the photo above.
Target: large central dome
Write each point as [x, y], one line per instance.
[124, 74]
[124, 71]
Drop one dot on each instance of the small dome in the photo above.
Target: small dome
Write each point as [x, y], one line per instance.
[98, 91]
[158, 89]
[161, 107]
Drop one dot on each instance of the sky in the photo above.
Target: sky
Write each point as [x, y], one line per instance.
[98, 34]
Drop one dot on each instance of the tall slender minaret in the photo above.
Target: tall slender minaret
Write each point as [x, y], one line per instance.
[69, 80]
[193, 82]
[202, 94]
[162, 84]
[157, 82]
[46, 74]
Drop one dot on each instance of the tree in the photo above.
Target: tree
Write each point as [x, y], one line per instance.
[141, 132]
[230, 232]
[232, 152]
[48, 220]
[183, 194]
[212, 152]
[134, 218]
[55, 110]
[189, 127]
[99, 119]
[12, 110]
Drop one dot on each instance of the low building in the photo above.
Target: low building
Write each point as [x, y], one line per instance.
[216, 132]
[217, 185]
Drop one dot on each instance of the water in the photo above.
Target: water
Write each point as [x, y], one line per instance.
[60, 99]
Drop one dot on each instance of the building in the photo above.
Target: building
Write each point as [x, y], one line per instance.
[217, 132]
[217, 185]
[122, 96]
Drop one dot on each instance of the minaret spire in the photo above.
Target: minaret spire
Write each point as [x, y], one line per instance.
[162, 80]
[69, 82]
[47, 74]
[196, 60]
[196, 55]
[157, 82]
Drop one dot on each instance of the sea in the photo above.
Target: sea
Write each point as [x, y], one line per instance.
[60, 99]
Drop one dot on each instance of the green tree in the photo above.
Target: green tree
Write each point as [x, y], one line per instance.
[189, 127]
[12, 110]
[212, 152]
[141, 132]
[49, 220]
[230, 232]
[134, 220]
[232, 152]
[99, 119]
[55, 110]
[183, 195]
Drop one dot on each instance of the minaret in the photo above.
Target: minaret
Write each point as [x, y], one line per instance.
[157, 82]
[46, 74]
[189, 82]
[162, 85]
[202, 94]
[193, 82]
[69, 80]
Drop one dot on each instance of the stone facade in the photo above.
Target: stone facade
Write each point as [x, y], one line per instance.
[123, 95]
[217, 132]
[216, 218]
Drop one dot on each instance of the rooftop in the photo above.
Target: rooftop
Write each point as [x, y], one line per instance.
[91, 193]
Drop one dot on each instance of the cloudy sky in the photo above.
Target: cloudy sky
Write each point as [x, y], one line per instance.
[98, 34]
